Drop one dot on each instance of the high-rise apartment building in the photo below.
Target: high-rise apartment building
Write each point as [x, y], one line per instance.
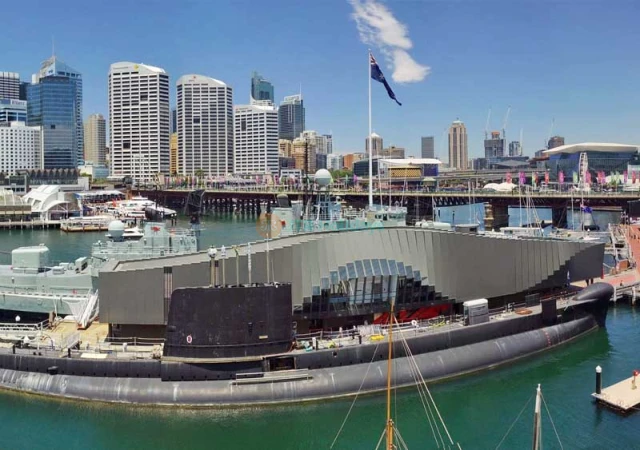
[285, 148]
[13, 110]
[428, 147]
[138, 121]
[205, 126]
[304, 154]
[458, 150]
[555, 141]
[261, 89]
[321, 141]
[95, 140]
[20, 148]
[494, 147]
[515, 149]
[51, 105]
[173, 154]
[291, 117]
[53, 67]
[376, 144]
[256, 139]
[9, 86]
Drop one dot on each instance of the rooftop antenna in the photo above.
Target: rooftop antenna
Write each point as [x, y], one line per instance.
[53, 45]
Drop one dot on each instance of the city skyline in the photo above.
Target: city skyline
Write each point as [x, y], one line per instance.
[542, 78]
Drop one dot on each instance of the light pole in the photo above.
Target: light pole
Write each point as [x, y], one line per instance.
[213, 263]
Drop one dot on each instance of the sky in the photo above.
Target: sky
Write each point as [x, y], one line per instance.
[573, 62]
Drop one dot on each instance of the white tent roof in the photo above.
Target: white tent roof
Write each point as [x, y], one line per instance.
[593, 147]
[410, 161]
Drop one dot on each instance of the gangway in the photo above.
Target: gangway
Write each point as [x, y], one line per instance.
[13, 331]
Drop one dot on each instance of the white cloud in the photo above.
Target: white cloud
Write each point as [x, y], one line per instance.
[378, 27]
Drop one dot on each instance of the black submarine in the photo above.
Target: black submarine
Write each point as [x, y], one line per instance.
[238, 345]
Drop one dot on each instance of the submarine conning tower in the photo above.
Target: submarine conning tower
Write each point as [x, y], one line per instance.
[229, 322]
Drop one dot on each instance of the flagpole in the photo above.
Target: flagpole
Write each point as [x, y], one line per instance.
[370, 146]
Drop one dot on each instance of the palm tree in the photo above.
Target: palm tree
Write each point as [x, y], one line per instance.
[200, 177]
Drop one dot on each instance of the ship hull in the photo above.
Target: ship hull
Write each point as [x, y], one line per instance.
[141, 382]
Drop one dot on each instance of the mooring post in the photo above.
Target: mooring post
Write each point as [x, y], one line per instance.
[598, 380]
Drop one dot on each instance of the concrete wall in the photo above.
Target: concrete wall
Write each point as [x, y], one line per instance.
[460, 266]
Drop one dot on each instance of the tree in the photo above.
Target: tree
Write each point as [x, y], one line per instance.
[341, 173]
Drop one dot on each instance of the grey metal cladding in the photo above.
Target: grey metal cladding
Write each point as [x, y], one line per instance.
[132, 297]
[460, 266]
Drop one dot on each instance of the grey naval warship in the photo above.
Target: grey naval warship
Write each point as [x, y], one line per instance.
[34, 284]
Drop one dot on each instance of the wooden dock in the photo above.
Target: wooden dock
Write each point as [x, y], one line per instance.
[621, 396]
[29, 224]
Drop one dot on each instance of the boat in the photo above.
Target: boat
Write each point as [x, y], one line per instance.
[139, 207]
[86, 224]
[33, 284]
[323, 211]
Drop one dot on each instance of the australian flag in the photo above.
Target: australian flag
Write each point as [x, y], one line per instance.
[377, 75]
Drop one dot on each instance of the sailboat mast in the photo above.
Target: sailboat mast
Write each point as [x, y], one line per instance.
[370, 146]
[536, 421]
[389, 420]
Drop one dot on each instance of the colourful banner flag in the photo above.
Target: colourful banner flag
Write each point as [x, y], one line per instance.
[546, 177]
[522, 178]
[588, 178]
[575, 176]
[625, 176]
[534, 179]
[561, 177]
[508, 177]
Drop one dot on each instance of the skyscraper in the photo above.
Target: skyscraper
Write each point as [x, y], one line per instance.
[95, 140]
[261, 89]
[9, 86]
[428, 147]
[376, 143]
[56, 68]
[51, 104]
[138, 120]
[256, 139]
[205, 126]
[291, 117]
[458, 150]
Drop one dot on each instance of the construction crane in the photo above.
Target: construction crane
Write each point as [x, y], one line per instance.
[521, 148]
[553, 123]
[504, 124]
[486, 126]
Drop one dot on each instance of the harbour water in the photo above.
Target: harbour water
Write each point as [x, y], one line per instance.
[478, 409]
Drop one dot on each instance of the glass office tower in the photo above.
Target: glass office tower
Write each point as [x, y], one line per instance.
[261, 89]
[61, 84]
[51, 104]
